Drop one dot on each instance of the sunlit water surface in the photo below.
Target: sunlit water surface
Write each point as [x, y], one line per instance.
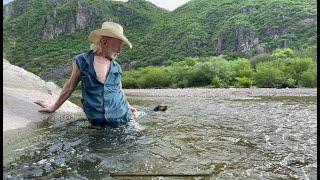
[221, 134]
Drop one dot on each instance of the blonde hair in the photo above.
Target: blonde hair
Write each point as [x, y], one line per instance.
[96, 47]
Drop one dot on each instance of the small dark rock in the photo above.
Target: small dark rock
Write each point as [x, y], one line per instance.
[160, 108]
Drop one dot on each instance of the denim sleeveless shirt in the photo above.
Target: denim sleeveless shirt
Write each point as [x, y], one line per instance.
[102, 101]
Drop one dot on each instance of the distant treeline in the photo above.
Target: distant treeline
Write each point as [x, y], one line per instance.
[279, 69]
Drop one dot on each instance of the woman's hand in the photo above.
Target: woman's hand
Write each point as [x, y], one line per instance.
[134, 111]
[45, 107]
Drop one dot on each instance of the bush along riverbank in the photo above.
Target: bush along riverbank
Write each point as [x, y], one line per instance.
[279, 69]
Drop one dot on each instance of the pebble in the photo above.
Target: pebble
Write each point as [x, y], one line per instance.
[42, 161]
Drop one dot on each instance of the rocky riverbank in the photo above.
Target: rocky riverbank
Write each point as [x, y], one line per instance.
[20, 89]
[228, 93]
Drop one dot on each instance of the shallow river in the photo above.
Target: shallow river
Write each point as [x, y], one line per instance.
[204, 134]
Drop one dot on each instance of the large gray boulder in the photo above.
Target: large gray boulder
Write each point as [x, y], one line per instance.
[20, 89]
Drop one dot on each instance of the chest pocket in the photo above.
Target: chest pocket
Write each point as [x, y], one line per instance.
[87, 80]
[115, 76]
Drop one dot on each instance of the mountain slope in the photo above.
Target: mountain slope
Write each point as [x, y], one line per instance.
[215, 27]
[39, 37]
[43, 36]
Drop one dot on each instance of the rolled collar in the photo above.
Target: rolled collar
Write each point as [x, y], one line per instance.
[89, 58]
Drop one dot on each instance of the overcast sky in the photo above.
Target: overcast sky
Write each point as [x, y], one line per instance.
[167, 4]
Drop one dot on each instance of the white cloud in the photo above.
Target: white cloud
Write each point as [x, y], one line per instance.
[6, 1]
[169, 4]
[166, 4]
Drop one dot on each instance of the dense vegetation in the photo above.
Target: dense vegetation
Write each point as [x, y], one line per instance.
[43, 36]
[279, 69]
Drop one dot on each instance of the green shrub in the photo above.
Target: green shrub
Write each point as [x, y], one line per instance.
[288, 82]
[294, 68]
[130, 79]
[203, 72]
[260, 58]
[243, 82]
[283, 71]
[180, 84]
[242, 68]
[155, 77]
[282, 53]
[180, 75]
[216, 82]
[309, 79]
[187, 62]
[268, 75]
[310, 51]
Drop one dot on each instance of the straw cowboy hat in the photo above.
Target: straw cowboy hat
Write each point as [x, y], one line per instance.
[109, 29]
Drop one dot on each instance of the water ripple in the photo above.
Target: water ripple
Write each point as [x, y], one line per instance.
[229, 134]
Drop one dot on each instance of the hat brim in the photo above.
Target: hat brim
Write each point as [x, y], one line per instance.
[96, 35]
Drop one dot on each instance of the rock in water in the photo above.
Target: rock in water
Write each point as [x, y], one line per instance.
[20, 89]
[160, 108]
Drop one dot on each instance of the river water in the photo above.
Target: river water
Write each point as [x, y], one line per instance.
[204, 134]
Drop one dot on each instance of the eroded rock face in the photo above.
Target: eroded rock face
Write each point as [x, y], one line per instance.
[11, 10]
[244, 41]
[20, 89]
[80, 20]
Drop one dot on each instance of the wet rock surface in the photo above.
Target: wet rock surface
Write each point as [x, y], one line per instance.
[20, 89]
[160, 108]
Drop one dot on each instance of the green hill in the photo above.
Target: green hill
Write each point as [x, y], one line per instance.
[42, 36]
